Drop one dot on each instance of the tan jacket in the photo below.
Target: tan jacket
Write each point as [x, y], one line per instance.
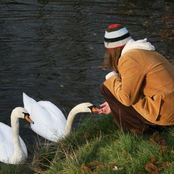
[146, 82]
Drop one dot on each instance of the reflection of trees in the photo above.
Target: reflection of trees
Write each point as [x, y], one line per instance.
[44, 2]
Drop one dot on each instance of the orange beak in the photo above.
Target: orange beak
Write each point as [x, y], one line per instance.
[27, 117]
[94, 109]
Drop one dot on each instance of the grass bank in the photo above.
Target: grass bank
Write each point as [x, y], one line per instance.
[98, 147]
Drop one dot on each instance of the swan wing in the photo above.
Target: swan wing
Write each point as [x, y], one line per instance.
[54, 111]
[6, 143]
[49, 121]
[28, 101]
[46, 124]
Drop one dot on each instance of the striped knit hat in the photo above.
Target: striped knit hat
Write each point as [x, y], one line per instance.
[116, 36]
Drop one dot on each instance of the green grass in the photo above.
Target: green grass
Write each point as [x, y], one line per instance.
[15, 169]
[98, 147]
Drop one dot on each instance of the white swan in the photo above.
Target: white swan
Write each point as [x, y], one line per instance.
[12, 148]
[50, 122]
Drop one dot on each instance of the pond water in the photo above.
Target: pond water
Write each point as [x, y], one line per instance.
[53, 49]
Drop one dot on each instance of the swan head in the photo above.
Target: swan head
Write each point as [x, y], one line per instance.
[80, 108]
[27, 117]
[21, 112]
[93, 109]
[86, 107]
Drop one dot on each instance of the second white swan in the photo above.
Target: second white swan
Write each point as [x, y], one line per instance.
[50, 122]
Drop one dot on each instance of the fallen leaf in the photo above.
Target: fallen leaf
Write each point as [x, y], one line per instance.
[151, 168]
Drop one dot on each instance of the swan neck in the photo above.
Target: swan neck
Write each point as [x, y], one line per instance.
[70, 120]
[15, 130]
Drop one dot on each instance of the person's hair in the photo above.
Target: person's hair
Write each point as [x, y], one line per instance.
[111, 58]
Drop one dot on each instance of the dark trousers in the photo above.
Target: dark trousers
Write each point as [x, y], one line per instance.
[126, 118]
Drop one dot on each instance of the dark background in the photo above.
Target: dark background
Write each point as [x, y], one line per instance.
[53, 50]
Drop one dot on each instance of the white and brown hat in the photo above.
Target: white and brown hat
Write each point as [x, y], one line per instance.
[116, 36]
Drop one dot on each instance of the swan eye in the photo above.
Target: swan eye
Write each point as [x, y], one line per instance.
[26, 114]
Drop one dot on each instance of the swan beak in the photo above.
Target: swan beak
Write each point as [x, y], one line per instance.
[94, 109]
[27, 117]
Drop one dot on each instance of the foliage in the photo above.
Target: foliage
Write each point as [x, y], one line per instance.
[15, 169]
[98, 147]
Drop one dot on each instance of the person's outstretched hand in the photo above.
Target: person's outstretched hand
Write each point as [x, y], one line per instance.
[105, 108]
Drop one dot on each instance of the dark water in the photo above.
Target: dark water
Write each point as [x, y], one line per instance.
[53, 50]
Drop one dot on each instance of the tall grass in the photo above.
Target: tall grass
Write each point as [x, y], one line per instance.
[98, 147]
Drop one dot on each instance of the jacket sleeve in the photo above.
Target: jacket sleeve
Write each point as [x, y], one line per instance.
[126, 88]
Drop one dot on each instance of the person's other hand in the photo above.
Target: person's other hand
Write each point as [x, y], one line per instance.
[105, 108]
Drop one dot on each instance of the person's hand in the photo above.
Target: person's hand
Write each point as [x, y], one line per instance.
[112, 73]
[105, 108]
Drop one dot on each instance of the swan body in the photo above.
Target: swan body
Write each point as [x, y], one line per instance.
[12, 148]
[50, 122]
